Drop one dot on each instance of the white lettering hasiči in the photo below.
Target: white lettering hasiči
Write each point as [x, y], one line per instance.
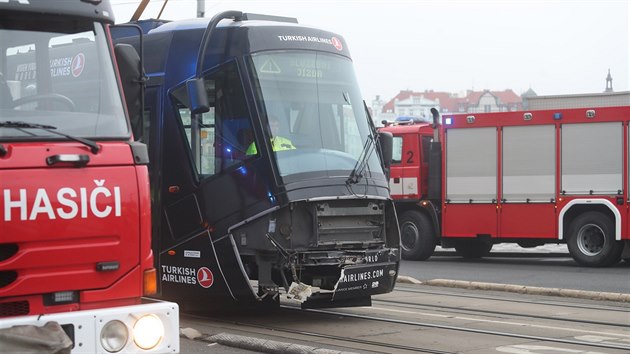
[100, 202]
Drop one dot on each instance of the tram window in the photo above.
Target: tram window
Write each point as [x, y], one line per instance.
[225, 132]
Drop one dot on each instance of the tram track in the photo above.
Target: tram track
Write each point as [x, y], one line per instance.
[265, 327]
[467, 329]
[473, 311]
[380, 328]
[373, 346]
[505, 298]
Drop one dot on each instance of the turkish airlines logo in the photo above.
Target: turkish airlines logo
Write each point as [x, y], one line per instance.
[78, 63]
[337, 43]
[205, 277]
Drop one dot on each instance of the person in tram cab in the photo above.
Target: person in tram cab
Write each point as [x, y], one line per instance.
[278, 143]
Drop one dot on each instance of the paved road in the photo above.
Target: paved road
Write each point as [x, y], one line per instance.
[419, 318]
[546, 267]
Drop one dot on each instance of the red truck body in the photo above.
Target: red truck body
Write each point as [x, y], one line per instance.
[555, 176]
[75, 205]
[74, 223]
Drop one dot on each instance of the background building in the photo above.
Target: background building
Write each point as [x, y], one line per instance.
[608, 98]
[418, 104]
[408, 103]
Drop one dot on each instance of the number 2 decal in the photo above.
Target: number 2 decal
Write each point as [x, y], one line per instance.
[409, 156]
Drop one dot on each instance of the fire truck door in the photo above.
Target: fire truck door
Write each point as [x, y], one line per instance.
[406, 167]
[528, 166]
[471, 182]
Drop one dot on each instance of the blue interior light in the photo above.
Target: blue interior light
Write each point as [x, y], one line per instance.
[557, 116]
[272, 199]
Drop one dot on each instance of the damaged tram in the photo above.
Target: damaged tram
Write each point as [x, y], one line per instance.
[267, 175]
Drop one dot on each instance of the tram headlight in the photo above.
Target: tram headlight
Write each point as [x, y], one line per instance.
[148, 331]
[114, 336]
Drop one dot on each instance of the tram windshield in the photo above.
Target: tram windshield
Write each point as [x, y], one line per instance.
[317, 120]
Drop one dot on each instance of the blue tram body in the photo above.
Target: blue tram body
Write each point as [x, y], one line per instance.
[237, 215]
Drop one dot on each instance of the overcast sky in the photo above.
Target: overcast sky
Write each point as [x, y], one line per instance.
[554, 47]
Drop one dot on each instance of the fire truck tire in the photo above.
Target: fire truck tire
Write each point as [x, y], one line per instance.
[472, 248]
[592, 240]
[417, 236]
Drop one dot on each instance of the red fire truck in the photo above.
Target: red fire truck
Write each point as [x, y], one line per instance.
[75, 222]
[531, 178]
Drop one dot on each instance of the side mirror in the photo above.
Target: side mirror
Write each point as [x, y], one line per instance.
[132, 79]
[197, 95]
[386, 140]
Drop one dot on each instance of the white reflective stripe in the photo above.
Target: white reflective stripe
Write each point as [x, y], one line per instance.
[605, 202]
[404, 186]
[395, 188]
[410, 185]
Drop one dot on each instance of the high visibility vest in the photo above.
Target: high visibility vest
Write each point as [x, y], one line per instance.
[278, 143]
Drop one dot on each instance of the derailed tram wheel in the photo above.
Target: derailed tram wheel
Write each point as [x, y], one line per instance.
[473, 248]
[592, 241]
[417, 239]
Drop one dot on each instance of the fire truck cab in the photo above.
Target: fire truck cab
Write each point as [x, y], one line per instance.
[75, 222]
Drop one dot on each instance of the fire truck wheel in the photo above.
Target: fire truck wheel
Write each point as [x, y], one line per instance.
[592, 240]
[417, 237]
[51, 97]
[472, 248]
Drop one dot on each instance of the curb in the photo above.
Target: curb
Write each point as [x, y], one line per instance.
[521, 289]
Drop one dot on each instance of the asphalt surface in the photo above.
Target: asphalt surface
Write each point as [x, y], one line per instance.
[547, 270]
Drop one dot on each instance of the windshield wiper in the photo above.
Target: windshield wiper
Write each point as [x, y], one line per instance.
[51, 129]
[362, 161]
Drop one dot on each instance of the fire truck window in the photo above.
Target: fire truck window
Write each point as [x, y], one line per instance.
[471, 165]
[218, 139]
[592, 158]
[397, 150]
[529, 163]
[59, 72]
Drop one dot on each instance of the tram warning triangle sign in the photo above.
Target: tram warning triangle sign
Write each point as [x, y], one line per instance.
[270, 67]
